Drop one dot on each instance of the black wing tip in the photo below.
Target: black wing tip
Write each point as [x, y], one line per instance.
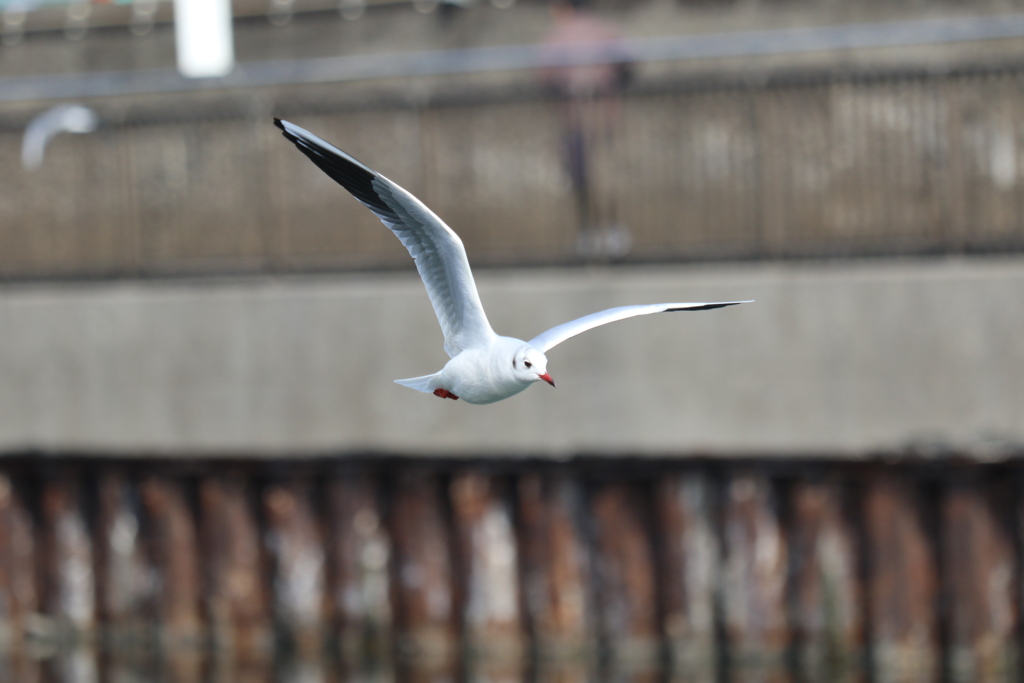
[707, 307]
[345, 170]
[295, 134]
[314, 147]
[292, 137]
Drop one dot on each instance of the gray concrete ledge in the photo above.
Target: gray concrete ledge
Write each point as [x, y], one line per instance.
[841, 359]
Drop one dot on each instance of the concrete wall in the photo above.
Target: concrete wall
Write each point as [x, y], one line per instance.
[834, 359]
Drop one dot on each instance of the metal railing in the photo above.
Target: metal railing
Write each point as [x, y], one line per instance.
[826, 165]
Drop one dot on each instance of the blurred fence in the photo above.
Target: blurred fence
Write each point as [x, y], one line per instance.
[779, 571]
[824, 165]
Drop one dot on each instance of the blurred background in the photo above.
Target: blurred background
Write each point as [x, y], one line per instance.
[207, 473]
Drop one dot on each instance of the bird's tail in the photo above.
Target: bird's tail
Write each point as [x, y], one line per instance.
[418, 383]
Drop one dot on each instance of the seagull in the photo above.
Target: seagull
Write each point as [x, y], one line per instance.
[484, 367]
[63, 118]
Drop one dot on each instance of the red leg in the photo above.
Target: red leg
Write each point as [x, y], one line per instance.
[444, 393]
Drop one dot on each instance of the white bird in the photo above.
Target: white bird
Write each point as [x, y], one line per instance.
[484, 367]
[63, 118]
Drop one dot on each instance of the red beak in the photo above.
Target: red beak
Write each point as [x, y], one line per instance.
[547, 378]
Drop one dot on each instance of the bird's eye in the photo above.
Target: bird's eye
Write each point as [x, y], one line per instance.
[528, 364]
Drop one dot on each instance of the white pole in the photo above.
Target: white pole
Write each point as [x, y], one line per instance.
[203, 38]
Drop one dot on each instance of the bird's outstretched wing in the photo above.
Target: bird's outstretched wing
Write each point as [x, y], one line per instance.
[438, 252]
[558, 334]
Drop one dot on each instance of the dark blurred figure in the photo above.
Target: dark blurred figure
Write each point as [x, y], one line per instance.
[587, 68]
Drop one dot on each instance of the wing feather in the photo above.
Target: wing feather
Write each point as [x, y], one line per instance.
[558, 334]
[438, 252]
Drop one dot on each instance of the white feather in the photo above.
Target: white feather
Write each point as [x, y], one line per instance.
[558, 334]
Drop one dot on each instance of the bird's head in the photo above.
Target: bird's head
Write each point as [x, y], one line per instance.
[531, 365]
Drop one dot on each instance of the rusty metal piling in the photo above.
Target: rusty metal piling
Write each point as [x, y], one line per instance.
[237, 594]
[827, 593]
[903, 585]
[691, 566]
[360, 552]
[480, 571]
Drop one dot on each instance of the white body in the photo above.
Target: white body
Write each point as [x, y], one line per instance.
[484, 367]
[484, 374]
